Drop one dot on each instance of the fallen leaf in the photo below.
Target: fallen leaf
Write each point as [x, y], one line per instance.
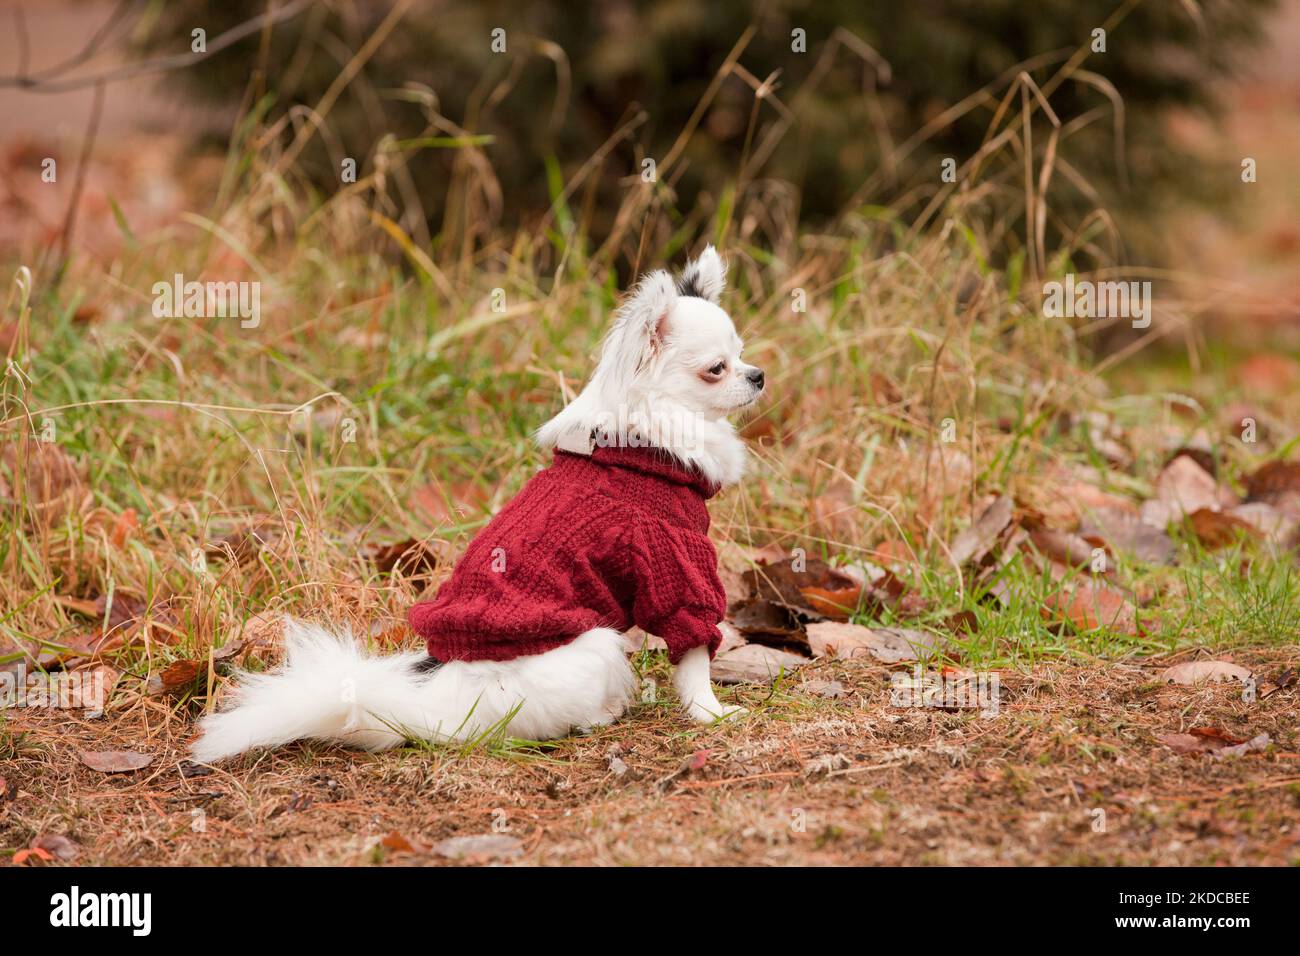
[1088, 607]
[228, 651]
[1196, 672]
[115, 761]
[836, 604]
[1273, 478]
[698, 760]
[886, 644]
[176, 678]
[1285, 679]
[1066, 549]
[397, 843]
[753, 663]
[1183, 486]
[733, 584]
[1124, 529]
[22, 856]
[1214, 741]
[761, 616]
[973, 545]
[60, 846]
[1254, 744]
[1269, 521]
[731, 637]
[783, 581]
[963, 622]
[770, 553]
[1189, 743]
[410, 557]
[489, 846]
[830, 689]
[1218, 529]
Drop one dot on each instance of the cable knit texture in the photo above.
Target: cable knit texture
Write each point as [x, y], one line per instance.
[611, 540]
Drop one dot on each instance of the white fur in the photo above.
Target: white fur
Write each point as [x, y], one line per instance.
[329, 689]
[654, 377]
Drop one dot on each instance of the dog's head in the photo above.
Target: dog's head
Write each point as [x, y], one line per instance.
[670, 369]
[671, 342]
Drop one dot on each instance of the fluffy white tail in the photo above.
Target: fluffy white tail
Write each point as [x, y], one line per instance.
[329, 689]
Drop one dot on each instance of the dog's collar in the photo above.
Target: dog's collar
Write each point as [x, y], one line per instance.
[648, 459]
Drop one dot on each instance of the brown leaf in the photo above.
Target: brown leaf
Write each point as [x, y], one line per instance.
[1271, 522]
[1088, 607]
[1218, 529]
[1285, 679]
[1183, 486]
[753, 663]
[836, 604]
[733, 584]
[22, 856]
[1196, 672]
[1189, 743]
[228, 651]
[1122, 528]
[58, 845]
[974, 544]
[886, 644]
[1066, 549]
[176, 678]
[411, 557]
[1272, 478]
[397, 843]
[782, 583]
[963, 622]
[115, 761]
[1212, 740]
[761, 616]
[769, 553]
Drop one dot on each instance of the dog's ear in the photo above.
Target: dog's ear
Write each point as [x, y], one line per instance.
[705, 277]
[640, 326]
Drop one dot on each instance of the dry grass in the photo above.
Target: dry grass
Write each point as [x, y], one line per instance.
[804, 781]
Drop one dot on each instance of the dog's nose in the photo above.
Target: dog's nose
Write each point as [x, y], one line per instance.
[755, 376]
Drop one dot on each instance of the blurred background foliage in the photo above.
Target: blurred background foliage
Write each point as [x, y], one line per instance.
[842, 138]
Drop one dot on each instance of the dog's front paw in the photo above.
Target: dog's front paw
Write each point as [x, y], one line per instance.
[715, 714]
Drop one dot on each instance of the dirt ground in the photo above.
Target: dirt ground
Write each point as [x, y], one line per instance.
[1068, 772]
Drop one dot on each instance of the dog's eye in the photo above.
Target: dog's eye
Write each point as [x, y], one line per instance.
[718, 369]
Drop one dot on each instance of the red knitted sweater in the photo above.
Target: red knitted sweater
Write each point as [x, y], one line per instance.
[611, 540]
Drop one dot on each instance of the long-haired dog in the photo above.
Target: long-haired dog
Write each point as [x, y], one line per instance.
[525, 636]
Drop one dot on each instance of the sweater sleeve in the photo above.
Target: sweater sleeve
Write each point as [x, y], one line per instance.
[679, 596]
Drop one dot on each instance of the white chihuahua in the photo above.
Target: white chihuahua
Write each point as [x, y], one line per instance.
[525, 635]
